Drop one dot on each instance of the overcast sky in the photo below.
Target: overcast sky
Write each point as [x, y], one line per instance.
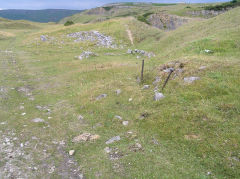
[77, 4]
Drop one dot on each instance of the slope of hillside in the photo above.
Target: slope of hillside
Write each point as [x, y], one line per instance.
[125, 10]
[142, 11]
[73, 95]
[20, 24]
[47, 15]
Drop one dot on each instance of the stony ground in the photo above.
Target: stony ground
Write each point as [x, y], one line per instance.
[22, 153]
[78, 109]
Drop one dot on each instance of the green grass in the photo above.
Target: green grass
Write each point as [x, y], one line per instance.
[223, 6]
[207, 109]
[162, 4]
[135, 10]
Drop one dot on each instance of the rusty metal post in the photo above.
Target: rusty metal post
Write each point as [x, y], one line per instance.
[142, 71]
[171, 71]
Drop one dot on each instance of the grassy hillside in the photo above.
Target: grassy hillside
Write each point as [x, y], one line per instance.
[140, 11]
[224, 6]
[191, 133]
[127, 10]
[47, 15]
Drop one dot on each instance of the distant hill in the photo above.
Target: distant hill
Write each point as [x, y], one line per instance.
[47, 15]
[116, 10]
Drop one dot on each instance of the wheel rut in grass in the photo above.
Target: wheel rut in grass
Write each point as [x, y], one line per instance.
[24, 152]
[130, 36]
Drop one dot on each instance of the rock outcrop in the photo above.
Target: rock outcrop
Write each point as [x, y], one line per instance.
[166, 22]
[206, 13]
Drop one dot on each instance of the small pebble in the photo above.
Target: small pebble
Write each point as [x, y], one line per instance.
[71, 152]
[118, 91]
[118, 117]
[125, 123]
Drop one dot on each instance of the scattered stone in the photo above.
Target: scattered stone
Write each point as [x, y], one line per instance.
[208, 51]
[71, 152]
[39, 107]
[2, 89]
[107, 150]
[114, 139]
[118, 91]
[93, 36]
[80, 117]
[24, 90]
[43, 108]
[85, 137]
[130, 99]
[118, 117]
[146, 87]
[158, 96]
[155, 141]
[52, 169]
[207, 13]
[175, 67]
[191, 79]
[34, 138]
[192, 137]
[21, 107]
[141, 52]
[31, 98]
[129, 51]
[157, 80]
[202, 68]
[125, 123]
[136, 147]
[23, 114]
[101, 96]
[62, 143]
[168, 70]
[44, 38]
[209, 173]
[138, 80]
[86, 54]
[38, 120]
[115, 154]
[178, 71]
[109, 54]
